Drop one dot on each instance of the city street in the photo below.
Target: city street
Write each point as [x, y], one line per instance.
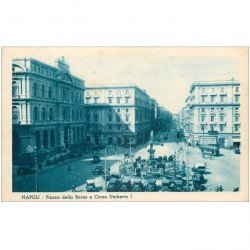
[222, 170]
[58, 178]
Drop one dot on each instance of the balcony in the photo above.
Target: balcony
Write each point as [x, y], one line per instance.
[20, 96]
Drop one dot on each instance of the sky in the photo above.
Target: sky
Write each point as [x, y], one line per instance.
[164, 76]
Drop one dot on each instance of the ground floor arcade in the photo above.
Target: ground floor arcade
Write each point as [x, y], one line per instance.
[42, 140]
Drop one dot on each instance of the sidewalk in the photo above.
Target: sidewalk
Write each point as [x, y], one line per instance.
[47, 168]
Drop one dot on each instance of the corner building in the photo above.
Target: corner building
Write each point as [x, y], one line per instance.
[118, 114]
[47, 107]
[213, 107]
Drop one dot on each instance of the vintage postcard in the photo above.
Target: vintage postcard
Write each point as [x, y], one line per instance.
[124, 124]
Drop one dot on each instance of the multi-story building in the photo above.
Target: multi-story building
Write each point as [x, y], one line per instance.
[184, 117]
[118, 114]
[213, 108]
[48, 107]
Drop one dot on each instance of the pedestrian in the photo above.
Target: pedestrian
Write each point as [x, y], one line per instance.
[73, 188]
[23, 174]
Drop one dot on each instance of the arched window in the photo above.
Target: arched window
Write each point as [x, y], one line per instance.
[35, 89]
[36, 114]
[44, 114]
[51, 117]
[50, 92]
[15, 114]
[43, 91]
[73, 114]
[45, 139]
[15, 89]
[77, 114]
[52, 138]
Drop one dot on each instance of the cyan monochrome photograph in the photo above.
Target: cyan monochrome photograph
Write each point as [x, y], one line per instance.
[126, 120]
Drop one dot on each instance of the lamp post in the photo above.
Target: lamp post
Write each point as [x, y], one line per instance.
[203, 133]
[105, 169]
[36, 167]
[130, 147]
[187, 154]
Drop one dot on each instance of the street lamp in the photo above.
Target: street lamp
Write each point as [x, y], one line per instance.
[130, 147]
[36, 167]
[105, 169]
[33, 149]
[187, 154]
[203, 132]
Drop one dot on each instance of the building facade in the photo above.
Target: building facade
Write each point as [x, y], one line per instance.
[118, 114]
[213, 108]
[48, 108]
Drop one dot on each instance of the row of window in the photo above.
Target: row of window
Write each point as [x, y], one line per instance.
[142, 115]
[118, 110]
[110, 118]
[141, 103]
[110, 100]
[222, 99]
[75, 97]
[45, 92]
[44, 115]
[72, 114]
[222, 118]
[110, 127]
[110, 92]
[203, 110]
[212, 127]
[43, 70]
[113, 110]
[222, 89]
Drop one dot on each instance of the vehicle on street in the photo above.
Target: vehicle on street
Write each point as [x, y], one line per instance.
[115, 175]
[98, 170]
[137, 186]
[96, 158]
[178, 185]
[108, 176]
[126, 185]
[237, 150]
[90, 186]
[151, 187]
[165, 185]
[113, 185]
[198, 179]
[199, 168]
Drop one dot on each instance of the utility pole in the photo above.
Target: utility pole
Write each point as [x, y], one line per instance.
[187, 153]
[36, 167]
[130, 147]
[105, 169]
[203, 128]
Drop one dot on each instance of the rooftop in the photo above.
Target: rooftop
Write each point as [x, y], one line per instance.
[115, 86]
[214, 83]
